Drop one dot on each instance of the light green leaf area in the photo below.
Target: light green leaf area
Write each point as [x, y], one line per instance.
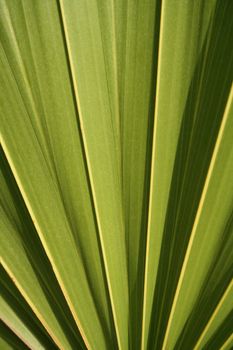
[9, 340]
[138, 58]
[10, 318]
[214, 209]
[43, 116]
[98, 125]
[4, 345]
[12, 297]
[228, 344]
[223, 309]
[183, 30]
[116, 163]
[17, 264]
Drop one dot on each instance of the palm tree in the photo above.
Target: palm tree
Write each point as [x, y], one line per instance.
[116, 183]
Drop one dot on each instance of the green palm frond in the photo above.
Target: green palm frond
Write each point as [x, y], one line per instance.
[116, 181]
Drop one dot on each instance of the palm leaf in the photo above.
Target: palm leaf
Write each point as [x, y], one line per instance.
[116, 184]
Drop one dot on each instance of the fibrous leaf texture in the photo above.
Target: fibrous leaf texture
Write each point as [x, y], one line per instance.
[116, 174]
